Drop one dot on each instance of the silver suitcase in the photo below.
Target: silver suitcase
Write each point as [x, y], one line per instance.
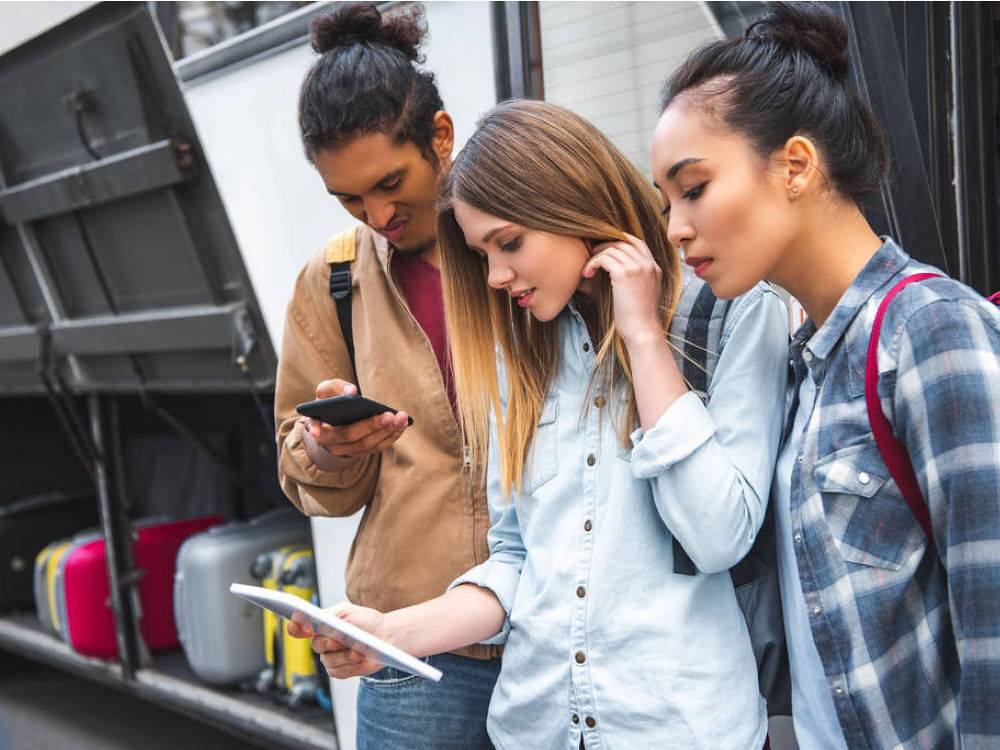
[221, 634]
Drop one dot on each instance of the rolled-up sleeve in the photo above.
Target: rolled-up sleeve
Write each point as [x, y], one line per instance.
[711, 468]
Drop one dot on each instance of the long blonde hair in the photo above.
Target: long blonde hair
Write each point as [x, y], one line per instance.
[545, 168]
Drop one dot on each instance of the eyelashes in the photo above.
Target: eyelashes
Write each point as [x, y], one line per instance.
[511, 245]
[691, 195]
[694, 193]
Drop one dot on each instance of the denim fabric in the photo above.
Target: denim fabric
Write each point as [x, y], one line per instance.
[400, 711]
[814, 715]
[604, 640]
[908, 633]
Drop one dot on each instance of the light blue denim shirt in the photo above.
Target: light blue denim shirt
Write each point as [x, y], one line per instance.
[602, 638]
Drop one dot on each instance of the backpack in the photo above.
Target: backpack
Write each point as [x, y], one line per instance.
[894, 453]
[697, 328]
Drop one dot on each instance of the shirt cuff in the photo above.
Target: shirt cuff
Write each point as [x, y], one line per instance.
[502, 580]
[678, 433]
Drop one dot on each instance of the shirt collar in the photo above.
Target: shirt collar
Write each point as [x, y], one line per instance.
[886, 263]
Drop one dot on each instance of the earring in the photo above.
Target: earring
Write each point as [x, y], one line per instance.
[795, 190]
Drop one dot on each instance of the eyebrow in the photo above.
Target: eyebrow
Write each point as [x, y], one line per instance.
[672, 172]
[385, 178]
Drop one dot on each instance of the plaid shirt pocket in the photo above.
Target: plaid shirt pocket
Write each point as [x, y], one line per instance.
[868, 517]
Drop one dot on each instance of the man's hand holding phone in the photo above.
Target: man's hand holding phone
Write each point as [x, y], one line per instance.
[346, 443]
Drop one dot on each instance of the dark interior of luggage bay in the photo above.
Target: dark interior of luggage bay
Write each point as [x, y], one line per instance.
[136, 372]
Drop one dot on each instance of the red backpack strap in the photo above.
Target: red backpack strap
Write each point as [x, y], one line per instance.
[893, 451]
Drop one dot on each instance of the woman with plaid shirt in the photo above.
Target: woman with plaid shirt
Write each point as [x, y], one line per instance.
[762, 155]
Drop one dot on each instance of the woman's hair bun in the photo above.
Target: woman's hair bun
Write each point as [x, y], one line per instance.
[809, 26]
[362, 22]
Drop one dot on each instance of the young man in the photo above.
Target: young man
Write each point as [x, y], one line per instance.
[373, 125]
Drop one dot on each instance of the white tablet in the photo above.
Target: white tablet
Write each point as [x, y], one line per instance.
[323, 623]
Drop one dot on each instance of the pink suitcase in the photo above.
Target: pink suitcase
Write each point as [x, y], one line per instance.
[83, 596]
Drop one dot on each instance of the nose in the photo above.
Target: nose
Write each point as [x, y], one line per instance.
[499, 274]
[679, 229]
[379, 212]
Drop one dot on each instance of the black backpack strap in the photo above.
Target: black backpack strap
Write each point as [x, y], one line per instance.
[340, 290]
[340, 253]
[695, 369]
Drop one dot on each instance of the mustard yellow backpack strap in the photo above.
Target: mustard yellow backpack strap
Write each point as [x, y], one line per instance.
[341, 247]
[340, 253]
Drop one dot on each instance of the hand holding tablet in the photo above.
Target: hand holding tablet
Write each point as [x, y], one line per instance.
[323, 623]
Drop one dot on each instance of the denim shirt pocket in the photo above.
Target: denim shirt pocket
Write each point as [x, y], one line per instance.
[543, 458]
[868, 517]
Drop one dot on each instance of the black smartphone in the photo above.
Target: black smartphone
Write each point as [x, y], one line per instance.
[341, 410]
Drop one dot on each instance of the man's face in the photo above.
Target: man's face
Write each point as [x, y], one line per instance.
[390, 187]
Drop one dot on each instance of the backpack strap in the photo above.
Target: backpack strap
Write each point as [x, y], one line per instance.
[701, 344]
[340, 253]
[894, 453]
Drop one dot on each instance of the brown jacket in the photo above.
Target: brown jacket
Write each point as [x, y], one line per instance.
[422, 525]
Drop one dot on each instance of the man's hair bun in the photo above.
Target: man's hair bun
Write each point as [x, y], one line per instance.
[810, 27]
[358, 23]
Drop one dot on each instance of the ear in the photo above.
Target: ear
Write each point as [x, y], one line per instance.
[802, 165]
[444, 136]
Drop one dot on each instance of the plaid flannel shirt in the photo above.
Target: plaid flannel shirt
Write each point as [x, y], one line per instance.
[909, 635]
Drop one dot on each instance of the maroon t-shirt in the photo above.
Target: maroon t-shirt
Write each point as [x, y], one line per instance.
[421, 285]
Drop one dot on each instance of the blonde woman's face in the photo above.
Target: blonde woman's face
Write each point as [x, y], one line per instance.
[728, 211]
[539, 270]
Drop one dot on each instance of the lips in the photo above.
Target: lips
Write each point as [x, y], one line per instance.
[523, 297]
[698, 264]
[394, 231]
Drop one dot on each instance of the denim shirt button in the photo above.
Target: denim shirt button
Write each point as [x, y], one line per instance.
[798, 538]
[580, 657]
[586, 347]
[590, 721]
[807, 355]
[576, 719]
[587, 525]
[864, 477]
[817, 611]
[591, 459]
[839, 691]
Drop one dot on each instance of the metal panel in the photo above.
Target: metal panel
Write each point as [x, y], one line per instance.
[517, 50]
[19, 344]
[179, 329]
[136, 171]
[115, 239]
[905, 207]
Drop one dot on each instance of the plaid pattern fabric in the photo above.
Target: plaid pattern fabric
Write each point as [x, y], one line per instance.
[909, 637]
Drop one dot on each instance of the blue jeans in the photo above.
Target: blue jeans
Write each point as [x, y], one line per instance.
[400, 711]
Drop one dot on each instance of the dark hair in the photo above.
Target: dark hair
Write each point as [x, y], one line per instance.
[366, 82]
[788, 75]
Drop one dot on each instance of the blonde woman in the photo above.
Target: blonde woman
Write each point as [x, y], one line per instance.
[597, 455]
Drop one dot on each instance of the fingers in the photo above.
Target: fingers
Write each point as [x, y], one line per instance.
[340, 660]
[299, 627]
[334, 387]
[348, 664]
[362, 438]
[620, 259]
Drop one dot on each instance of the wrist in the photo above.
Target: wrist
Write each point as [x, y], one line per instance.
[394, 629]
[642, 339]
[320, 455]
